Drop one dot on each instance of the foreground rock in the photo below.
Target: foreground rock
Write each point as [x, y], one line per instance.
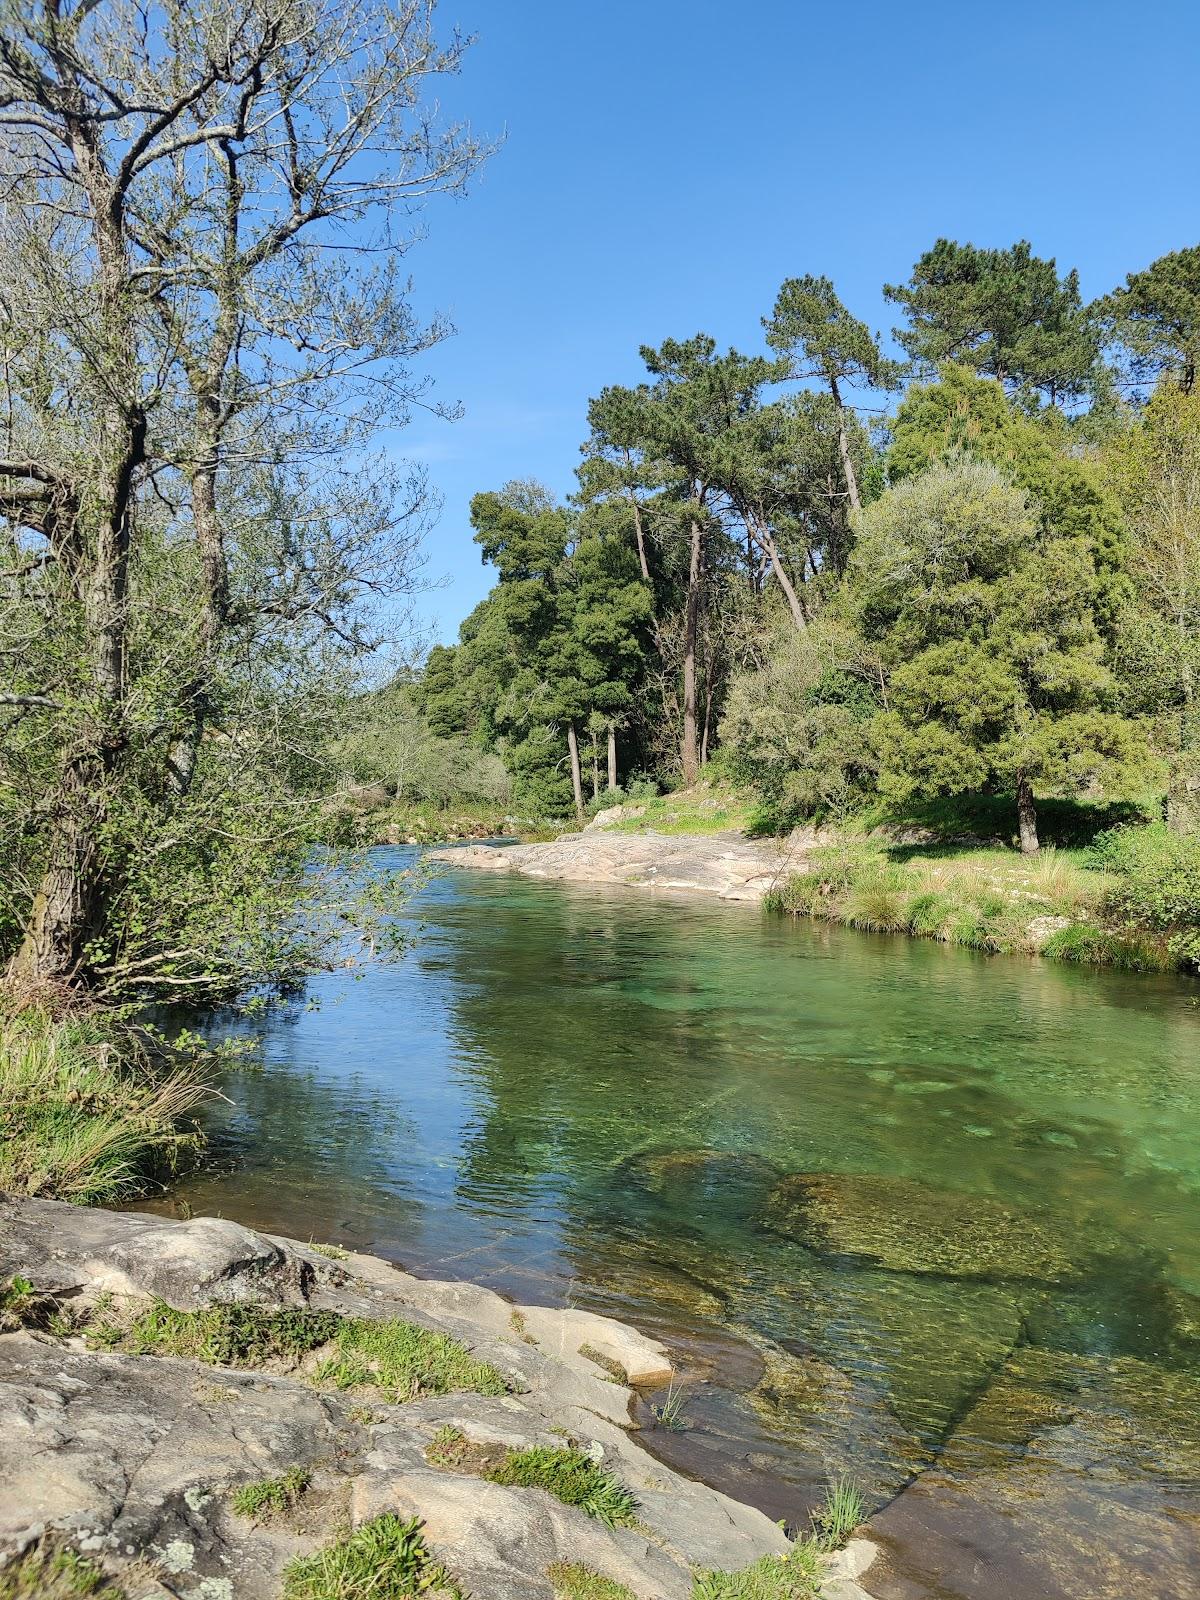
[728, 866]
[132, 1459]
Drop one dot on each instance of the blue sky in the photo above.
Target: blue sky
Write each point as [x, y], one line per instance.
[668, 163]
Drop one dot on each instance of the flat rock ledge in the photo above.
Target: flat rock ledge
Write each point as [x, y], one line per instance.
[726, 865]
[131, 1460]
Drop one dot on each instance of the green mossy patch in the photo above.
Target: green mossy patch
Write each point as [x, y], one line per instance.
[384, 1559]
[907, 1226]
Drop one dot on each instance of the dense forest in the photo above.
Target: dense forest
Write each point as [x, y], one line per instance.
[834, 576]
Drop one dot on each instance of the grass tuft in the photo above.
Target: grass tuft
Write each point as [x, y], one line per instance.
[87, 1112]
[839, 1514]
[46, 1574]
[271, 1497]
[572, 1477]
[574, 1581]
[399, 1358]
[384, 1559]
[793, 1576]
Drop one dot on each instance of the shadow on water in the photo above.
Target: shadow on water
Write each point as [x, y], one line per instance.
[981, 1298]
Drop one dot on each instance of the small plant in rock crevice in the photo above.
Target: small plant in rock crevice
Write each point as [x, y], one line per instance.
[670, 1413]
[572, 1477]
[573, 1580]
[270, 1497]
[836, 1518]
[384, 1559]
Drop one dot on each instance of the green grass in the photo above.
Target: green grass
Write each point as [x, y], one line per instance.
[706, 808]
[332, 1252]
[397, 1357]
[574, 1581]
[839, 1514]
[87, 1112]
[271, 1497]
[384, 1559]
[405, 1361]
[794, 1576]
[572, 1477]
[45, 1574]
[670, 1414]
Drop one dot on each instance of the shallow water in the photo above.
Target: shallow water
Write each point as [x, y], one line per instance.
[598, 1096]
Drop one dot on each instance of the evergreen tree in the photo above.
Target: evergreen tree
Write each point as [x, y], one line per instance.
[1156, 317]
[1005, 313]
[986, 624]
[820, 339]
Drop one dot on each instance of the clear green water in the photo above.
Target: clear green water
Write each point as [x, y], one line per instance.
[596, 1095]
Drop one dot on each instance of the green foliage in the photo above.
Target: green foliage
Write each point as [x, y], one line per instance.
[1156, 317]
[821, 339]
[841, 1511]
[998, 665]
[232, 1336]
[88, 1111]
[1155, 883]
[44, 1573]
[572, 1580]
[270, 1497]
[405, 1361]
[572, 1477]
[1004, 312]
[1087, 944]
[386, 1559]
[399, 1358]
[794, 1576]
[794, 727]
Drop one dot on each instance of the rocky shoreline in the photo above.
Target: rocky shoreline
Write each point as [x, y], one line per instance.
[726, 865]
[130, 1458]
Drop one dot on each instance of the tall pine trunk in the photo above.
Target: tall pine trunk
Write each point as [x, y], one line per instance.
[847, 460]
[576, 774]
[1026, 816]
[690, 744]
[612, 756]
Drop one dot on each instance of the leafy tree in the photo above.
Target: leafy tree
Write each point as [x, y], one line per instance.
[1154, 469]
[795, 725]
[193, 342]
[1068, 495]
[820, 339]
[1156, 317]
[986, 626]
[1005, 313]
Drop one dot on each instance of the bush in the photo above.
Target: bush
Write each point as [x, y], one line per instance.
[1156, 883]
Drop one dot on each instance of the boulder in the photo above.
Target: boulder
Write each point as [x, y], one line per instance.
[205, 1261]
[908, 1226]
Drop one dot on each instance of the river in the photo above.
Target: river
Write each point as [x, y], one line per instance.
[908, 1213]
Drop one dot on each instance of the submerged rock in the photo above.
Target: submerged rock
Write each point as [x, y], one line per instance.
[1072, 1476]
[908, 1226]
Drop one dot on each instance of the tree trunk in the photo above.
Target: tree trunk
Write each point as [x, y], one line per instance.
[690, 746]
[707, 723]
[844, 446]
[576, 774]
[1026, 816]
[595, 766]
[770, 549]
[639, 534]
[63, 909]
[612, 756]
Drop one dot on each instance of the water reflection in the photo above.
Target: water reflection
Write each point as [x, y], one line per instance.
[597, 1095]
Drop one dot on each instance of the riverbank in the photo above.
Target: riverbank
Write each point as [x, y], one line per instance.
[1130, 899]
[91, 1108]
[205, 1411]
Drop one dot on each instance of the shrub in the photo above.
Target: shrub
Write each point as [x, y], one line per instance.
[1088, 945]
[1156, 882]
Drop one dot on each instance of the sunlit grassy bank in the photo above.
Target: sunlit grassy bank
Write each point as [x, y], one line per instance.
[1130, 899]
[88, 1111]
